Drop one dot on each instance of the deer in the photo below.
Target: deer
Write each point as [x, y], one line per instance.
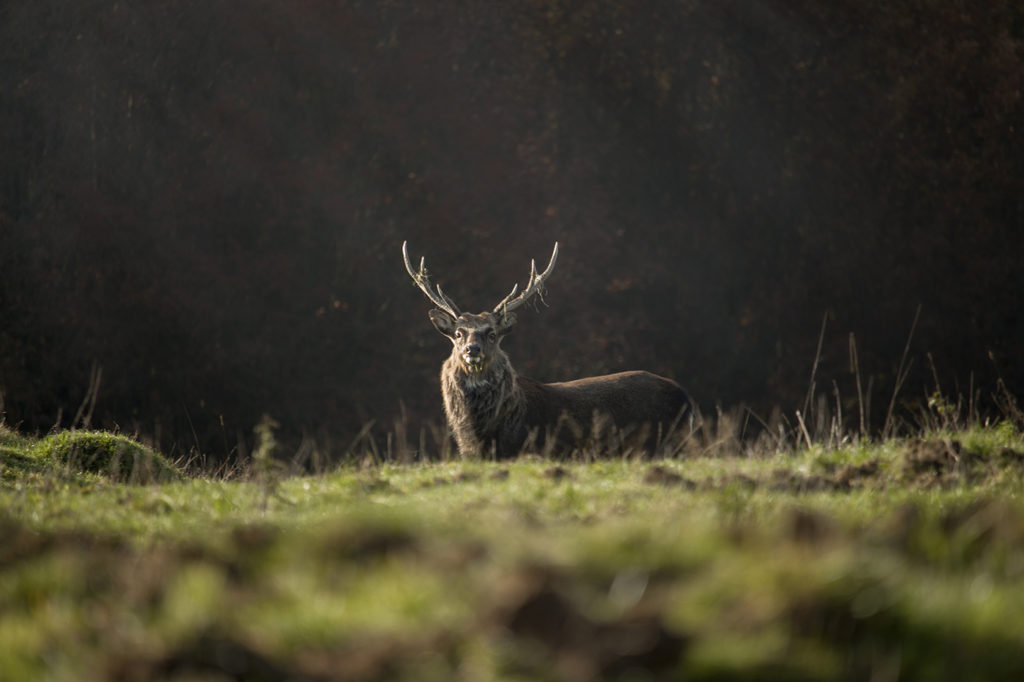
[493, 412]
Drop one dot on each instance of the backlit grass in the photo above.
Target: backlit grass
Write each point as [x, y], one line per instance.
[896, 559]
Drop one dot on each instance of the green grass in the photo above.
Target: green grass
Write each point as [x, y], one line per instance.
[899, 559]
[83, 455]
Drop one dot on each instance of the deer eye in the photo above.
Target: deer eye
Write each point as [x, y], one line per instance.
[492, 336]
[458, 334]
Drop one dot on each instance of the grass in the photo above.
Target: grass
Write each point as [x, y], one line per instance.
[898, 559]
[83, 455]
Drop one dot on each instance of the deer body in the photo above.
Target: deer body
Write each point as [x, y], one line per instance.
[492, 411]
[505, 412]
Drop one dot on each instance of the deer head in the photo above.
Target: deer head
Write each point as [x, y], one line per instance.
[476, 339]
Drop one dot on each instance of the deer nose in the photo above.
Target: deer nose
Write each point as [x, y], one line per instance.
[472, 350]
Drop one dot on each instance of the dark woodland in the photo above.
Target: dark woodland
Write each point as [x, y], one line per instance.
[206, 201]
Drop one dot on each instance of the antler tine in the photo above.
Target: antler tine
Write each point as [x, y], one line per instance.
[422, 281]
[515, 288]
[448, 300]
[533, 286]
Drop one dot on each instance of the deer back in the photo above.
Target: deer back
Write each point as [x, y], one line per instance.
[626, 399]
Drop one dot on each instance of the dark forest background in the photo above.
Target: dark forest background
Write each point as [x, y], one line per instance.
[206, 200]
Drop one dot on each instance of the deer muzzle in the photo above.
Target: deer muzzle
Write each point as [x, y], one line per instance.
[474, 363]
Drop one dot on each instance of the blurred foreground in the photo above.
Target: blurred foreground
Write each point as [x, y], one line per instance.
[902, 559]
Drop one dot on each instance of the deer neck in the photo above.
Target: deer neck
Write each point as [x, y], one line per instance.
[498, 377]
[478, 404]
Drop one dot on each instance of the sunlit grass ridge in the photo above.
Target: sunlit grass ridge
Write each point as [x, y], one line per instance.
[875, 558]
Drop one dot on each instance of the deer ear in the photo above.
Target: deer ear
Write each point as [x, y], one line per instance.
[506, 323]
[443, 321]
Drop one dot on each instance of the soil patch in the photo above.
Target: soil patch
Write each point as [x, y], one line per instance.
[557, 473]
[660, 475]
[581, 648]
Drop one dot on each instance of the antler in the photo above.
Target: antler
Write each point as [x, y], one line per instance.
[533, 286]
[423, 282]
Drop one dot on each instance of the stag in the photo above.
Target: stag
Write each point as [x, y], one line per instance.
[492, 411]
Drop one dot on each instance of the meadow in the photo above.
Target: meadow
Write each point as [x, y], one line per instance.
[900, 558]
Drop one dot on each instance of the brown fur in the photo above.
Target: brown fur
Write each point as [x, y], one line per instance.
[494, 412]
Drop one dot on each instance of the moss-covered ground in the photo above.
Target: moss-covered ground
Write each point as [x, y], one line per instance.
[894, 560]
